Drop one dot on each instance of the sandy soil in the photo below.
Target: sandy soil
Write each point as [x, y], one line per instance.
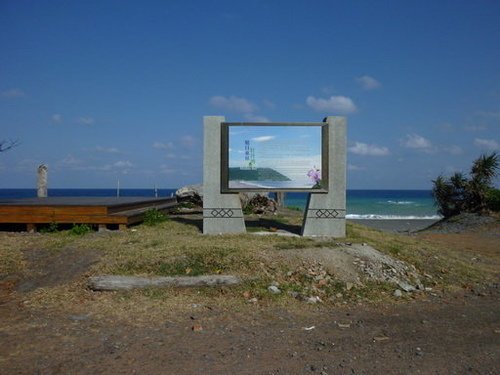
[430, 333]
[441, 335]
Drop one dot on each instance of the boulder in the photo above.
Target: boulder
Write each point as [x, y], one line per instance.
[191, 193]
[260, 204]
[246, 197]
[257, 203]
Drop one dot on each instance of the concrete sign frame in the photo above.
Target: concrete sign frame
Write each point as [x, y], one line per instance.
[325, 210]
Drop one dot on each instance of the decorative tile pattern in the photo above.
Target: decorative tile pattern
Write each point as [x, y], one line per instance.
[326, 213]
[220, 213]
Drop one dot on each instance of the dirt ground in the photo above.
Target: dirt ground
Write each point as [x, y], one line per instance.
[440, 332]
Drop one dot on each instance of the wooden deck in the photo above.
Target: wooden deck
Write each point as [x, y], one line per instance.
[101, 211]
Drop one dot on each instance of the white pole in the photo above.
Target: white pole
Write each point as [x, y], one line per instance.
[118, 188]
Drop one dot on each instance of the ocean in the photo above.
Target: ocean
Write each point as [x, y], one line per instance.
[381, 204]
[361, 204]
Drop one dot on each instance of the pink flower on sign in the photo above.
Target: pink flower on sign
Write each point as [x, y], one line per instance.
[315, 175]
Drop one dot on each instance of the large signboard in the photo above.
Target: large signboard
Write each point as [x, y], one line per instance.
[274, 157]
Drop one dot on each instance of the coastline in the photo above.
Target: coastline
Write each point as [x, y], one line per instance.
[396, 225]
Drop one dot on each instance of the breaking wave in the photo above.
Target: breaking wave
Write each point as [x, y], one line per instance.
[400, 202]
[393, 217]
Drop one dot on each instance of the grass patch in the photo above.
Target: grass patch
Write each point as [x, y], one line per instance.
[295, 208]
[173, 248]
[447, 266]
[214, 261]
[11, 256]
[49, 228]
[154, 217]
[80, 229]
[294, 243]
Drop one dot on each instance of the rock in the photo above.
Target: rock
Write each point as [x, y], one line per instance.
[246, 197]
[260, 204]
[197, 328]
[273, 289]
[191, 194]
[322, 282]
[293, 294]
[78, 318]
[313, 299]
[349, 285]
[311, 368]
[397, 293]
[253, 300]
[406, 287]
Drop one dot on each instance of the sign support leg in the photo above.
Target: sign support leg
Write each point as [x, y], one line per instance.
[222, 213]
[325, 213]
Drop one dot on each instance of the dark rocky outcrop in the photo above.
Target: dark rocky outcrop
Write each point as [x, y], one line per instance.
[190, 194]
[260, 204]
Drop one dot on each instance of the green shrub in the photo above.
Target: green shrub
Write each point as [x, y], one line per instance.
[186, 205]
[154, 217]
[248, 210]
[80, 229]
[460, 193]
[50, 228]
[493, 199]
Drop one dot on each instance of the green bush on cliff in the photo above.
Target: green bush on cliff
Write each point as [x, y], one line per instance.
[459, 193]
[493, 200]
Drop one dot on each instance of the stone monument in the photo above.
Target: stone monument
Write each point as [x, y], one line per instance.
[42, 181]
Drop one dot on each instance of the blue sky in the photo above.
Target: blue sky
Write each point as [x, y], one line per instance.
[101, 90]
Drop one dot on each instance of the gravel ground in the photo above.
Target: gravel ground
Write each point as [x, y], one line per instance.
[440, 334]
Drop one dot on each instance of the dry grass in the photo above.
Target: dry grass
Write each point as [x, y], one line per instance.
[178, 248]
[448, 265]
[11, 256]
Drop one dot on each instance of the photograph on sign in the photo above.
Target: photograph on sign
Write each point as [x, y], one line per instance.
[274, 157]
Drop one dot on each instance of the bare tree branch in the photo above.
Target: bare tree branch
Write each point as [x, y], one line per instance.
[8, 144]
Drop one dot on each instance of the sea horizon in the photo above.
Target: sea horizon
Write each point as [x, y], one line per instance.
[372, 204]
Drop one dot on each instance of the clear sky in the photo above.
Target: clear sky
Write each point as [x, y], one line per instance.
[101, 90]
